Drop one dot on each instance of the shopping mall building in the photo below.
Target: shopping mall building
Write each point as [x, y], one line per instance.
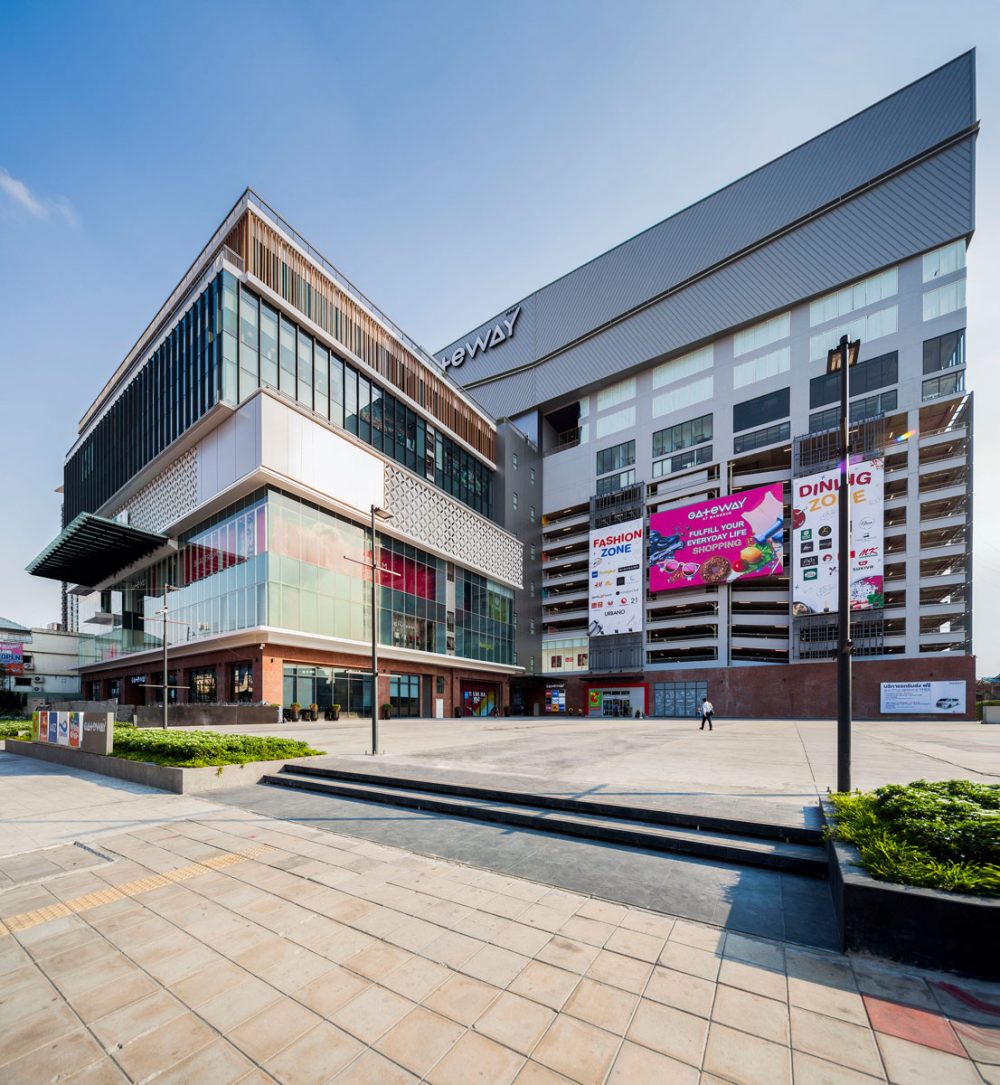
[232, 464]
[617, 494]
[681, 438]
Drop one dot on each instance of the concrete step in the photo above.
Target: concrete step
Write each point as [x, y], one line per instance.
[633, 828]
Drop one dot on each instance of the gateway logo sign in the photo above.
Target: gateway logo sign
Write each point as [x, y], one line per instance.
[487, 340]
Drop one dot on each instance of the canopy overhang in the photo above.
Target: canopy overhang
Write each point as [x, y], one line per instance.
[91, 548]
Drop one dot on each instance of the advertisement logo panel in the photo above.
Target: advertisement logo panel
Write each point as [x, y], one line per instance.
[938, 698]
[12, 657]
[615, 595]
[816, 539]
[718, 541]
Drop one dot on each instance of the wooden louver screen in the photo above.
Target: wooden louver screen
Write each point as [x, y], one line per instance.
[271, 259]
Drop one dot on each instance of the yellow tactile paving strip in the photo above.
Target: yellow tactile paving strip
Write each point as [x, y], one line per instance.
[26, 920]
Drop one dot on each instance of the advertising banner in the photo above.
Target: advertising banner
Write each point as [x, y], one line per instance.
[923, 698]
[718, 541]
[815, 537]
[616, 559]
[12, 657]
[89, 731]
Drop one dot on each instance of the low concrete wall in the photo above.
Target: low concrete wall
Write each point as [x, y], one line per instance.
[165, 777]
[208, 715]
[929, 928]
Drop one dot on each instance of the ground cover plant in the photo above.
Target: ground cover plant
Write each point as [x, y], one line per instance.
[12, 728]
[943, 835]
[197, 749]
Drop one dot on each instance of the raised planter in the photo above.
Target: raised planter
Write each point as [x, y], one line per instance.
[165, 777]
[930, 928]
[207, 715]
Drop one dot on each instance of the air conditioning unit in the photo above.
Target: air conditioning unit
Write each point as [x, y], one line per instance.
[28, 668]
[38, 680]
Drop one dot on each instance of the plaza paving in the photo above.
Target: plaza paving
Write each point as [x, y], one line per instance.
[214, 944]
[785, 762]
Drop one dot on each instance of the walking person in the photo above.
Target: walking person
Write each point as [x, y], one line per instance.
[707, 711]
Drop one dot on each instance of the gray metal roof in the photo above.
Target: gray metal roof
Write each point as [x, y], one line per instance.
[885, 184]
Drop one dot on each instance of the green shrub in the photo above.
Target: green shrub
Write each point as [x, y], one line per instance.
[196, 749]
[13, 728]
[943, 835]
[980, 705]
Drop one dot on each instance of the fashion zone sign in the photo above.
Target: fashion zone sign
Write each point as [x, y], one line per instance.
[486, 340]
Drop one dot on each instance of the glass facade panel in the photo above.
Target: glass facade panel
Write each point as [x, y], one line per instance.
[683, 435]
[304, 392]
[268, 346]
[864, 377]
[286, 373]
[614, 459]
[746, 442]
[944, 351]
[766, 408]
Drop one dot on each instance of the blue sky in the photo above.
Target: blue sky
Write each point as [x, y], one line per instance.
[449, 157]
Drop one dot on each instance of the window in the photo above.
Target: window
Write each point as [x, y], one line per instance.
[944, 351]
[866, 328]
[286, 377]
[610, 483]
[613, 423]
[202, 685]
[404, 694]
[746, 442]
[682, 461]
[944, 261]
[762, 367]
[762, 335]
[861, 409]
[685, 396]
[683, 435]
[322, 385]
[531, 625]
[614, 394]
[268, 346]
[948, 385]
[864, 377]
[532, 548]
[944, 300]
[615, 458]
[531, 514]
[304, 392]
[685, 366]
[532, 475]
[867, 292]
[513, 460]
[532, 589]
[242, 687]
[513, 499]
[249, 319]
[766, 408]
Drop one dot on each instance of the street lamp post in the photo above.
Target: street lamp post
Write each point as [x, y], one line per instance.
[840, 359]
[165, 610]
[373, 565]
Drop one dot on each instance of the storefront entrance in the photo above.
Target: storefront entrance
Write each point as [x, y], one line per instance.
[480, 699]
[621, 702]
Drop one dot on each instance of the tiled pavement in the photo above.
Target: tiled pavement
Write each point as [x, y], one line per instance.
[233, 947]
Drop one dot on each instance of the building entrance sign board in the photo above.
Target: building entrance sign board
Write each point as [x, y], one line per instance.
[815, 534]
[615, 595]
[92, 732]
[736, 537]
[938, 698]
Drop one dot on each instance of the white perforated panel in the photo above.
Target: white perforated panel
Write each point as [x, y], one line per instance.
[167, 498]
[431, 517]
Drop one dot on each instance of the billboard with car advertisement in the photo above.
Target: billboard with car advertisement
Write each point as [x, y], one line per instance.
[815, 539]
[923, 698]
[715, 542]
[616, 590]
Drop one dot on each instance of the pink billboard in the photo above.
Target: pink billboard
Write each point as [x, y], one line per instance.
[718, 541]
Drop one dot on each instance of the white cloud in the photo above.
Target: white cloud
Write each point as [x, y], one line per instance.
[18, 191]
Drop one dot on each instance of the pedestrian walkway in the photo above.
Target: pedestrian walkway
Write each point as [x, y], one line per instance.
[227, 946]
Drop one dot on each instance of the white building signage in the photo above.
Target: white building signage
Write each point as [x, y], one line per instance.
[616, 579]
[484, 341]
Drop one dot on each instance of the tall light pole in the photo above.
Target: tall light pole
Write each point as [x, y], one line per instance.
[165, 610]
[840, 359]
[373, 565]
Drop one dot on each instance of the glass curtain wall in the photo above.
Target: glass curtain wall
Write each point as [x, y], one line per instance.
[273, 351]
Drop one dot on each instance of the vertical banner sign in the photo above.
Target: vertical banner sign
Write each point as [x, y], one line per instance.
[815, 533]
[718, 541]
[616, 564]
